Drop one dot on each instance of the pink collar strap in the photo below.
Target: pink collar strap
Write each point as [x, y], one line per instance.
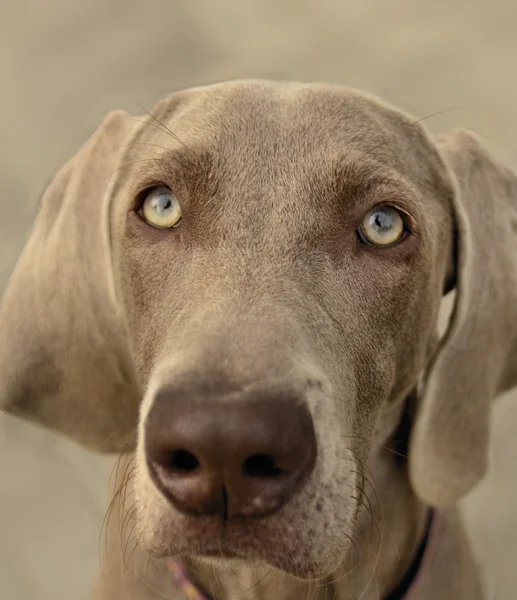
[183, 581]
[401, 592]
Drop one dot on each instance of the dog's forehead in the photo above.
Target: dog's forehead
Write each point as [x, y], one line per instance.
[290, 105]
[294, 119]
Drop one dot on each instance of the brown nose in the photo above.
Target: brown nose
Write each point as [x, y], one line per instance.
[234, 456]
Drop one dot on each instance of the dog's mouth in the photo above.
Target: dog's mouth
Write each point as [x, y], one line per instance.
[214, 537]
[224, 553]
[255, 541]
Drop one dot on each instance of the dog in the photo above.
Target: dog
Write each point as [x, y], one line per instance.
[239, 292]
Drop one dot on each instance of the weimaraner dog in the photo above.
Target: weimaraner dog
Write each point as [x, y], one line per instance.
[239, 293]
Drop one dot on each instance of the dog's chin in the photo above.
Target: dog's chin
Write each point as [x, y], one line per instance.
[244, 545]
[307, 571]
[299, 567]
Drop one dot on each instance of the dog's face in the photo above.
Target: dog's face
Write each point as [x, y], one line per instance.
[254, 275]
[299, 255]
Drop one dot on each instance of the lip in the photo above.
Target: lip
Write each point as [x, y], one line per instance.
[220, 553]
[244, 539]
[216, 537]
[269, 548]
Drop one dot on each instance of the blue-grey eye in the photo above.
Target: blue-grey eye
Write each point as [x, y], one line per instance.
[161, 208]
[383, 225]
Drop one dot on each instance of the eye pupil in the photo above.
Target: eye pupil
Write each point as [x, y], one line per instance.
[383, 220]
[162, 203]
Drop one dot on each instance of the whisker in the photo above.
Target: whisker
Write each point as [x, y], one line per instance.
[437, 113]
[361, 562]
[387, 448]
[144, 579]
[127, 556]
[165, 128]
[352, 568]
[364, 498]
[368, 507]
[256, 584]
[129, 520]
[191, 569]
[107, 517]
[370, 150]
[126, 480]
[133, 144]
[156, 590]
[372, 578]
[150, 125]
[118, 498]
[134, 162]
[385, 527]
[374, 563]
[273, 575]
[215, 581]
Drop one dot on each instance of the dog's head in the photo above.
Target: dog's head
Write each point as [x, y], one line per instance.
[245, 287]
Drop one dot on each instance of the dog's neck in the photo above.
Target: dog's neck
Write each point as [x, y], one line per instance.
[382, 553]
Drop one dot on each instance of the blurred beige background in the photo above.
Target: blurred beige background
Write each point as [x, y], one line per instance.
[65, 63]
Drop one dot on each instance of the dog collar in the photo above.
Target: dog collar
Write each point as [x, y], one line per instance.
[409, 581]
[183, 581]
[401, 592]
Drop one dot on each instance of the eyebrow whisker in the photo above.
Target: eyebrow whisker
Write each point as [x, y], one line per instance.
[165, 128]
[438, 113]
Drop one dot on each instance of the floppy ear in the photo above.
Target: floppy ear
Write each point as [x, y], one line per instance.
[65, 360]
[477, 358]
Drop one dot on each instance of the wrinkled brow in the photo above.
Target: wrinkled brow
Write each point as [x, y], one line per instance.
[358, 181]
[180, 168]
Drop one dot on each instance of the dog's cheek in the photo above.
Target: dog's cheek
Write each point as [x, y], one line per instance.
[325, 511]
[331, 510]
[330, 539]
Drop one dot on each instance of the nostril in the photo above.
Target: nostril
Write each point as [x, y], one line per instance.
[261, 466]
[183, 461]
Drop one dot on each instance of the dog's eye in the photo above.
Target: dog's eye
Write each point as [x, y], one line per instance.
[160, 208]
[383, 225]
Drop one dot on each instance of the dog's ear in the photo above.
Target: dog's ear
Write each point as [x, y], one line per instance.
[477, 357]
[65, 359]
